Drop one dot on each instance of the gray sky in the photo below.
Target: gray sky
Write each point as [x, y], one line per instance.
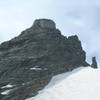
[81, 17]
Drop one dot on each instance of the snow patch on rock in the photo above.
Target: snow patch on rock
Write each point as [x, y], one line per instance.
[7, 86]
[6, 92]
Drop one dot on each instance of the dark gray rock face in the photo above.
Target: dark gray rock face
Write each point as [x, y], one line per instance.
[94, 63]
[44, 23]
[29, 61]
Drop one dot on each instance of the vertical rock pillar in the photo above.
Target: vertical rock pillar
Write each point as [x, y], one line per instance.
[94, 63]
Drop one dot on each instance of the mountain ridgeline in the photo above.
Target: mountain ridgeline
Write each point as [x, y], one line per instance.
[29, 61]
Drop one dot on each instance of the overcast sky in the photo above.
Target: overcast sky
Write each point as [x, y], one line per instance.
[81, 17]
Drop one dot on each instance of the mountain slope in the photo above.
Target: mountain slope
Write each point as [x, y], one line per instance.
[29, 61]
[80, 84]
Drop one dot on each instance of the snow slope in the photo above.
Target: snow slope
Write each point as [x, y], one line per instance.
[80, 84]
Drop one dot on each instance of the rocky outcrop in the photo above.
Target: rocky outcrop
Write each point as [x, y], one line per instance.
[94, 63]
[29, 61]
[44, 23]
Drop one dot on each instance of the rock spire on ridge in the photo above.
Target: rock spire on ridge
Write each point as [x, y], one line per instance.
[94, 63]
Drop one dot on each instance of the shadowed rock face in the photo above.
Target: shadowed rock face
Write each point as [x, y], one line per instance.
[29, 61]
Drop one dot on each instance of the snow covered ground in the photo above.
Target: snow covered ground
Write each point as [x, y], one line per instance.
[80, 84]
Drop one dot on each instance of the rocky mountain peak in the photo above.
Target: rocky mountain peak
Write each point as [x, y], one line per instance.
[30, 60]
[44, 23]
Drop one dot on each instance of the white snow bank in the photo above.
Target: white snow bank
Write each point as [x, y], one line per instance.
[83, 85]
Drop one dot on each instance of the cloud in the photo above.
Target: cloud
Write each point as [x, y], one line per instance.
[79, 17]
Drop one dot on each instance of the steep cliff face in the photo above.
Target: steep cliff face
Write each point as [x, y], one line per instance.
[29, 61]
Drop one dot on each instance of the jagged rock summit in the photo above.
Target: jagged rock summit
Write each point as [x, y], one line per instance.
[29, 61]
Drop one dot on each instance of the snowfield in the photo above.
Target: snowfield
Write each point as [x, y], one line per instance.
[81, 84]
